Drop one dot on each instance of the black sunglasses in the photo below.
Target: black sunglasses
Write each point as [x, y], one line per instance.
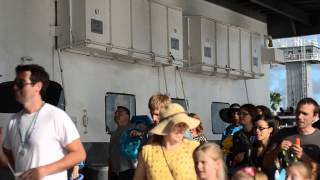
[20, 84]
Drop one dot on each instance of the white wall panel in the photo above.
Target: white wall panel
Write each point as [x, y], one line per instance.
[234, 45]
[219, 13]
[159, 30]
[97, 20]
[222, 45]
[257, 44]
[120, 23]
[141, 25]
[208, 41]
[193, 37]
[3, 47]
[175, 33]
[96, 76]
[63, 19]
[79, 21]
[245, 51]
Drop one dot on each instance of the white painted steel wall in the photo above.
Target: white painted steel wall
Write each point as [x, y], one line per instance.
[27, 33]
[141, 25]
[120, 23]
[257, 43]
[192, 45]
[234, 51]
[166, 25]
[87, 93]
[159, 34]
[12, 43]
[199, 33]
[222, 46]
[175, 32]
[245, 51]
[210, 10]
[230, 41]
[208, 41]
[97, 10]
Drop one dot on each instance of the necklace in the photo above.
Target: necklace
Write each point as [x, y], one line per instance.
[24, 138]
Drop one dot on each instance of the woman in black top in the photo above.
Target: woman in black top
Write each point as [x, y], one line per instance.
[243, 139]
[263, 129]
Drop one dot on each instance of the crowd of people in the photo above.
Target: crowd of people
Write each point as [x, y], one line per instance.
[252, 146]
[171, 146]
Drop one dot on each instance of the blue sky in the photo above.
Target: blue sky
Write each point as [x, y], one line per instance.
[278, 75]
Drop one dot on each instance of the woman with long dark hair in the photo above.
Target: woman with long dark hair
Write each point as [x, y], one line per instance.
[264, 129]
[243, 139]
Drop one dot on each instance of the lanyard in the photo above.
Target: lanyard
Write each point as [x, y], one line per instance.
[24, 139]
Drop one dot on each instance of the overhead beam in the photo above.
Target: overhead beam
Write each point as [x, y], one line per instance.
[280, 26]
[285, 9]
[240, 7]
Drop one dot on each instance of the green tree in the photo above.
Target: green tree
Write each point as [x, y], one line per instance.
[275, 99]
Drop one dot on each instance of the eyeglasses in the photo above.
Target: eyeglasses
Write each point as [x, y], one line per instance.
[234, 111]
[20, 84]
[261, 128]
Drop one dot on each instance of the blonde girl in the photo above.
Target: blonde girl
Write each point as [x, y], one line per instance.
[300, 171]
[209, 162]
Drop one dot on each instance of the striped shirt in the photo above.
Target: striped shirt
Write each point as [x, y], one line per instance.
[201, 139]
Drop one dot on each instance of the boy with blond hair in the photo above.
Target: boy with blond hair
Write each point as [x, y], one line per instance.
[156, 102]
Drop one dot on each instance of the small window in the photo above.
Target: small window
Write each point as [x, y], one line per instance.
[182, 102]
[113, 100]
[255, 61]
[175, 44]
[96, 26]
[308, 50]
[207, 52]
[218, 125]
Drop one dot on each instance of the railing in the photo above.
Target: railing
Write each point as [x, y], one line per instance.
[301, 57]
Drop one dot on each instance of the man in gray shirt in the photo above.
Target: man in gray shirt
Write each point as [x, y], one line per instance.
[309, 148]
[121, 167]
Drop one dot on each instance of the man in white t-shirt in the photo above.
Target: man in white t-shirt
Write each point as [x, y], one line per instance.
[41, 141]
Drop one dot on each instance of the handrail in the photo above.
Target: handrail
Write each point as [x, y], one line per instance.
[228, 69]
[302, 56]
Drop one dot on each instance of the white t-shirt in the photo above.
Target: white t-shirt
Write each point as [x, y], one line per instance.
[53, 131]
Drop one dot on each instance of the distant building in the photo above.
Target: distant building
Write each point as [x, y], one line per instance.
[298, 60]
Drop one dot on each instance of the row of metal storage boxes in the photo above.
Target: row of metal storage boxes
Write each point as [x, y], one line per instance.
[146, 28]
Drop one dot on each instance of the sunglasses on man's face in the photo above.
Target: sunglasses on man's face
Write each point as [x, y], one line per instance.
[235, 112]
[20, 84]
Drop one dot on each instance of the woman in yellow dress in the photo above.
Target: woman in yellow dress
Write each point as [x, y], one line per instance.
[169, 156]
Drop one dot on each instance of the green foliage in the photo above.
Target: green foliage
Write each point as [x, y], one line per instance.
[275, 99]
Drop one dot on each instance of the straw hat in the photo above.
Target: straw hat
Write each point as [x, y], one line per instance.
[226, 112]
[172, 115]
